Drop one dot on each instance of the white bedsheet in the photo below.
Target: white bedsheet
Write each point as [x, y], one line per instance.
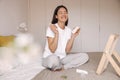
[23, 72]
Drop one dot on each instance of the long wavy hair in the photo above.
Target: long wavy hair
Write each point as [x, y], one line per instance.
[54, 19]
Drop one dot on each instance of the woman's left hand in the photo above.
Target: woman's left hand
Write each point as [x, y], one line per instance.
[76, 33]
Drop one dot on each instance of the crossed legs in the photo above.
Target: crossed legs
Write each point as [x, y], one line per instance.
[53, 62]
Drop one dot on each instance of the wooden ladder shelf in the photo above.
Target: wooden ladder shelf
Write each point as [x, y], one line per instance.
[108, 54]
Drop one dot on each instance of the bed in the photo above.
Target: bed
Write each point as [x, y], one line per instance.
[71, 74]
[23, 72]
[20, 57]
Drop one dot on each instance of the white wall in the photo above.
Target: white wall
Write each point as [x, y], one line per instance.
[109, 19]
[90, 25]
[12, 13]
[118, 45]
[37, 14]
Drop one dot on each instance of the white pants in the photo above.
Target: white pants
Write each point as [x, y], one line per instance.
[72, 60]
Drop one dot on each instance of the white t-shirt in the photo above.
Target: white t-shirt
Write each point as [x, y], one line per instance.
[64, 36]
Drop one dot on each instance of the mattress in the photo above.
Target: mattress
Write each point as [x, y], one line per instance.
[24, 72]
[71, 74]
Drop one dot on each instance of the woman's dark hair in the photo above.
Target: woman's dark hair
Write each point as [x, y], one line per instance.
[54, 19]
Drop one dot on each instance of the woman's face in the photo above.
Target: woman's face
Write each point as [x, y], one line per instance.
[62, 15]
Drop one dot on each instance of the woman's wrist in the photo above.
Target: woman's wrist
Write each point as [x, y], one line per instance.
[56, 34]
[73, 36]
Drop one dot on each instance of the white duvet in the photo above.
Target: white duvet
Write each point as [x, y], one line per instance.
[23, 72]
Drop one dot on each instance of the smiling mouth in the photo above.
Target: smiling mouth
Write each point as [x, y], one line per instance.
[64, 17]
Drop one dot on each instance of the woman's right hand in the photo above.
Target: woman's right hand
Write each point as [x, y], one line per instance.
[54, 28]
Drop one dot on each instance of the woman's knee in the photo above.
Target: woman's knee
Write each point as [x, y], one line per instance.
[51, 61]
[85, 56]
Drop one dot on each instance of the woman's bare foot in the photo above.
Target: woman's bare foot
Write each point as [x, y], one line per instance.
[61, 69]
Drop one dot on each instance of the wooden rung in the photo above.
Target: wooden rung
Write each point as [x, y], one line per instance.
[114, 64]
[117, 56]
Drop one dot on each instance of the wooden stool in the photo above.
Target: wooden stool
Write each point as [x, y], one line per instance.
[109, 51]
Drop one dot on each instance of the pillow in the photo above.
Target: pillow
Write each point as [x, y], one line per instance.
[5, 40]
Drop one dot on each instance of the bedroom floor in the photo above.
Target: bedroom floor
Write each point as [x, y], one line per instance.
[70, 74]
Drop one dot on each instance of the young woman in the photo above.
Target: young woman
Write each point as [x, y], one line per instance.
[59, 43]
